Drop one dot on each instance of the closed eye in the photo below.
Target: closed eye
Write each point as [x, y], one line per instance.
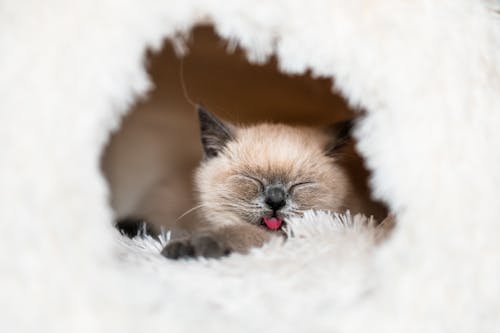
[301, 185]
[253, 179]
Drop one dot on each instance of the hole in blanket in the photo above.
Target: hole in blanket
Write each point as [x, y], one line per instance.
[150, 161]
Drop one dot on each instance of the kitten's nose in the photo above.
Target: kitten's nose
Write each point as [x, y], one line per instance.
[275, 197]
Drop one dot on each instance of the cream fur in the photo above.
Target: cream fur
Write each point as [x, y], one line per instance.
[427, 72]
[263, 151]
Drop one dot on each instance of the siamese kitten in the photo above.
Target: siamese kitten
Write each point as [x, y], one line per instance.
[253, 179]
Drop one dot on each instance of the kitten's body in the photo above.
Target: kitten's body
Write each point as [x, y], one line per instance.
[253, 179]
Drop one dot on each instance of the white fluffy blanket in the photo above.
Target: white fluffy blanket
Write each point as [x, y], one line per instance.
[297, 285]
[428, 74]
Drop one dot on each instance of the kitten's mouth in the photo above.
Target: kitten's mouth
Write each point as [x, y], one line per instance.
[272, 222]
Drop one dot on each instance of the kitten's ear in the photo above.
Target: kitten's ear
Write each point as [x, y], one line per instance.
[214, 133]
[340, 134]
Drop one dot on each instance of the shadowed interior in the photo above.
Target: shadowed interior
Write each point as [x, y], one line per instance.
[150, 160]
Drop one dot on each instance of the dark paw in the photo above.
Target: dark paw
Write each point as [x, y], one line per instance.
[178, 249]
[201, 246]
[132, 226]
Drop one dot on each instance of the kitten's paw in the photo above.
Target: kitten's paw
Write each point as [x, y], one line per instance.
[134, 226]
[178, 249]
[210, 247]
[201, 246]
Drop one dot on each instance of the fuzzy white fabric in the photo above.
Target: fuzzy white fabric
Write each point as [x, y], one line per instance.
[285, 286]
[427, 72]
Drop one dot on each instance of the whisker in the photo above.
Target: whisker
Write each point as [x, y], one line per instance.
[239, 201]
[189, 211]
[230, 205]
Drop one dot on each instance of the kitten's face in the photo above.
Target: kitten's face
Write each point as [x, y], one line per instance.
[267, 173]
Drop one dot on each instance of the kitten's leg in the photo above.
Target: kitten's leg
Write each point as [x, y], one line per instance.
[219, 242]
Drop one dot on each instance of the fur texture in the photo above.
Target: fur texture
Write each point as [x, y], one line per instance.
[427, 72]
[253, 174]
[261, 155]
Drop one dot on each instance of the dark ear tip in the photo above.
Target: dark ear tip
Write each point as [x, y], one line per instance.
[214, 133]
[205, 116]
[345, 128]
[342, 129]
[202, 111]
[340, 134]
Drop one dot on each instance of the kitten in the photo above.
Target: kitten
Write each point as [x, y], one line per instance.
[253, 179]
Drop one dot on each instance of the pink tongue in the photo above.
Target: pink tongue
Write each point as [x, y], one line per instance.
[273, 223]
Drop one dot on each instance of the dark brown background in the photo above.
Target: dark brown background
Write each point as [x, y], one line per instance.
[150, 160]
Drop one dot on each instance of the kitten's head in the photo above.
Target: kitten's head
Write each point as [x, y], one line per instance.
[267, 173]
